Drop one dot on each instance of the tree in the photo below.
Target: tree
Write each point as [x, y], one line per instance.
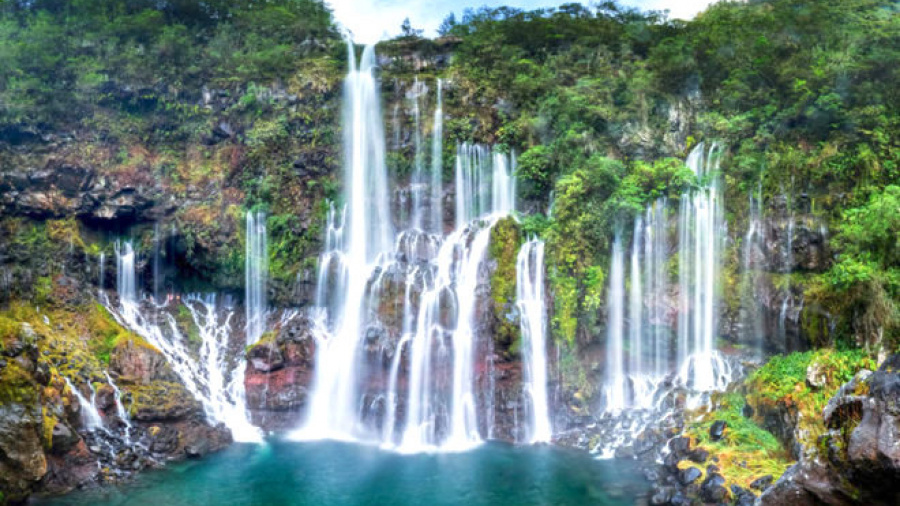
[447, 25]
[408, 32]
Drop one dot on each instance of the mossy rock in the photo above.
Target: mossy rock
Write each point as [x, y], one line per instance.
[506, 239]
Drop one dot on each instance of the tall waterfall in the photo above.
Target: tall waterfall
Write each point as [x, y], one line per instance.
[399, 359]
[361, 240]
[207, 373]
[701, 230]
[616, 386]
[533, 324]
[256, 272]
[437, 164]
[752, 311]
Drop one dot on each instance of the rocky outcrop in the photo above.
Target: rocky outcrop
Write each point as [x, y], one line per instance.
[279, 374]
[62, 189]
[857, 461]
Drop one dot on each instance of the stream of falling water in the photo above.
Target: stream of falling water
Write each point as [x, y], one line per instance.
[207, 372]
[640, 351]
[533, 323]
[256, 273]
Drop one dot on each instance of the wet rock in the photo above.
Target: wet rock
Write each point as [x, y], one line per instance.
[717, 430]
[698, 455]
[680, 446]
[662, 496]
[861, 464]
[23, 462]
[742, 496]
[713, 489]
[689, 475]
[762, 482]
[63, 438]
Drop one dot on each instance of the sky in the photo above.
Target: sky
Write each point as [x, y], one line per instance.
[373, 20]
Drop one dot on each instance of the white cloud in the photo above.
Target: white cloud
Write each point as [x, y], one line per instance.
[373, 20]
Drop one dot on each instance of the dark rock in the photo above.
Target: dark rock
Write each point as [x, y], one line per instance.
[662, 496]
[680, 446]
[713, 489]
[689, 475]
[698, 455]
[762, 483]
[63, 438]
[742, 496]
[717, 430]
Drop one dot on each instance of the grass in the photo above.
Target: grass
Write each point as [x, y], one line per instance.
[746, 451]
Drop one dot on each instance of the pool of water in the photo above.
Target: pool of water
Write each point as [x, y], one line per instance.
[331, 473]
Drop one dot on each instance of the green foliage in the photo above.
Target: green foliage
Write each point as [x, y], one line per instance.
[506, 238]
[784, 377]
[60, 59]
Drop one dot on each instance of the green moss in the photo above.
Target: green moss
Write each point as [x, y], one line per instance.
[16, 385]
[746, 451]
[506, 238]
[106, 333]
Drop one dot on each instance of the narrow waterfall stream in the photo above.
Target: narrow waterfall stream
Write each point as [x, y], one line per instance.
[256, 273]
[533, 323]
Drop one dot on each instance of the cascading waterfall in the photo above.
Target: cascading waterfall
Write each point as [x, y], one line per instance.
[333, 407]
[126, 280]
[90, 416]
[399, 358]
[532, 313]
[256, 271]
[218, 383]
[100, 282]
[701, 230]
[417, 185]
[120, 408]
[655, 294]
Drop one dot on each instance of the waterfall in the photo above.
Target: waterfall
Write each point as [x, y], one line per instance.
[120, 409]
[256, 271]
[218, 383]
[530, 301]
[90, 417]
[100, 282]
[752, 312]
[333, 406]
[616, 394]
[701, 231]
[417, 183]
[639, 350]
[126, 278]
[399, 358]
[787, 301]
[484, 183]
[656, 292]
[636, 304]
[156, 267]
[437, 164]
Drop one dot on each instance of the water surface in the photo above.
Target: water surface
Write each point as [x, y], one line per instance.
[331, 473]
